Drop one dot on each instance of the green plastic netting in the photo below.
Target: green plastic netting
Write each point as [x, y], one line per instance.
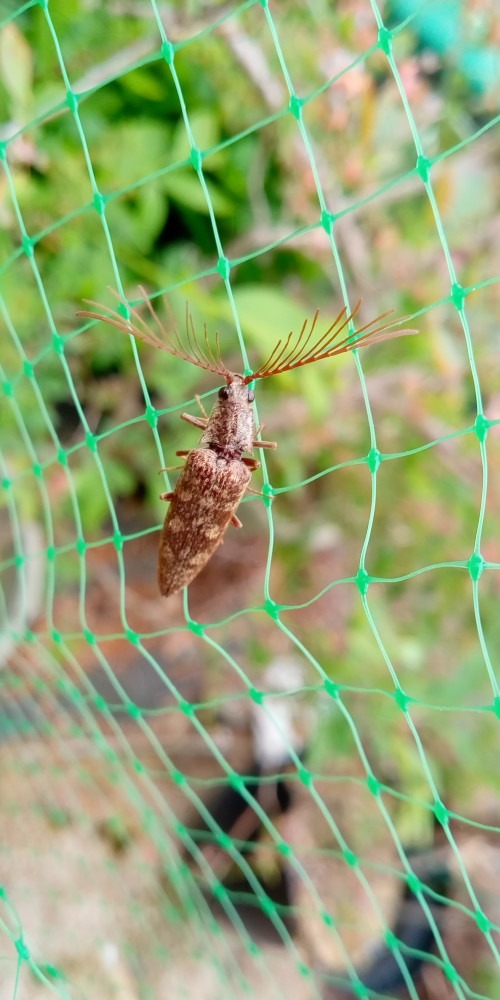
[284, 781]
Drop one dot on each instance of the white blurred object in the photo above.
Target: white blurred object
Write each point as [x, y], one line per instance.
[275, 728]
[21, 586]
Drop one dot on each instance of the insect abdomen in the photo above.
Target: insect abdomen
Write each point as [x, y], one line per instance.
[207, 493]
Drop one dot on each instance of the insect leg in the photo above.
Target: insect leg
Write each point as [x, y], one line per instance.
[264, 444]
[252, 464]
[256, 492]
[166, 496]
[196, 421]
[236, 521]
[202, 408]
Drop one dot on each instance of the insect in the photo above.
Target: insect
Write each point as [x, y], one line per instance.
[216, 474]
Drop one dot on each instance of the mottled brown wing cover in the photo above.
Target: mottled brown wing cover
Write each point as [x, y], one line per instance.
[208, 492]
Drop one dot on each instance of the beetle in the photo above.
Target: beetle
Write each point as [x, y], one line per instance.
[216, 474]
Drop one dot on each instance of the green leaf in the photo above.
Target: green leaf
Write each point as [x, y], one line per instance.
[92, 499]
[267, 314]
[206, 133]
[184, 187]
[16, 70]
[147, 150]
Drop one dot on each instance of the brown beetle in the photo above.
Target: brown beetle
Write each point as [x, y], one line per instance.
[216, 475]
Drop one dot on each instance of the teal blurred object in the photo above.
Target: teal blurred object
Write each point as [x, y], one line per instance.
[442, 27]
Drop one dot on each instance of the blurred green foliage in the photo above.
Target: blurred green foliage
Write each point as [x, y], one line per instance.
[263, 197]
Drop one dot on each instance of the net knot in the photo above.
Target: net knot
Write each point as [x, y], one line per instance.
[481, 427]
[328, 221]
[385, 40]
[22, 949]
[362, 580]
[224, 267]
[476, 566]
[72, 101]
[373, 460]
[457, 296]
[168, 52]
[423, 168]
[295, 106]
[272, 609]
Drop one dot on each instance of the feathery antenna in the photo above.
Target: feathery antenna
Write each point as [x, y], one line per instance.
[294, 352]
[204, 357]
[289, 353]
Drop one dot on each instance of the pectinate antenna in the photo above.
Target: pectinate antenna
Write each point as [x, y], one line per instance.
[165, 340]
[301, 349]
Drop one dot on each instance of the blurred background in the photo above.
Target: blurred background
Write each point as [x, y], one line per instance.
[286, 779]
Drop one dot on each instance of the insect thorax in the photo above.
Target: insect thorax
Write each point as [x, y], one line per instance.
[230, 430]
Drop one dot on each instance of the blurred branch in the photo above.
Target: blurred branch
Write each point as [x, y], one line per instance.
[172, 17]
[120, 62]
[252, 59]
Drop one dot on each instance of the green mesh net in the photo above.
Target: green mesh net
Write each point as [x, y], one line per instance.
[284, 781]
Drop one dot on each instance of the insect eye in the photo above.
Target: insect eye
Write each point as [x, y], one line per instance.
[224, 392]
[251, 395]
